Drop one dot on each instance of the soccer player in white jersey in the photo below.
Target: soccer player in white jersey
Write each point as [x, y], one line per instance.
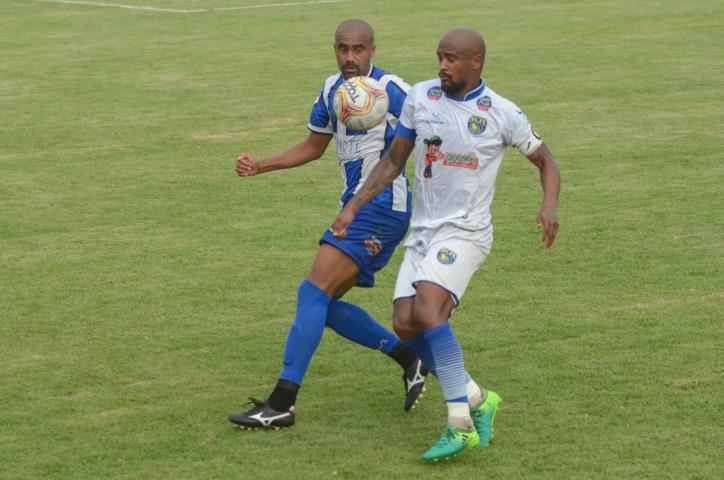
[342, 263]
[459, 128]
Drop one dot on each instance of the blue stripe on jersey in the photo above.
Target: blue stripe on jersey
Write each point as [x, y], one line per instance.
[389, 136]
[353, 173]
[396, 97]
[320, 115]
[330, 102]
[404, 132]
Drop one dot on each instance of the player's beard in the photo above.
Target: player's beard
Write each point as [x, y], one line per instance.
[451, 88]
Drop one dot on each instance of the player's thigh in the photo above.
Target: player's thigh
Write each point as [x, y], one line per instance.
[333, 270]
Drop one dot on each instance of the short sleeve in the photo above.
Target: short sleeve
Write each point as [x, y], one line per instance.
[519, 132]
[406, 124]
[397, 91]
[319, 120]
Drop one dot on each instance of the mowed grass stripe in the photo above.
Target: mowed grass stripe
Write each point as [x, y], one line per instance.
[146, 291]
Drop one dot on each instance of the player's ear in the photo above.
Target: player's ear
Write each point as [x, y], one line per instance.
[478, 61]
[373, 50]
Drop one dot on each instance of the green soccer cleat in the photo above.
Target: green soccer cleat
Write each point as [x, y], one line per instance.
[451, 442]
[484, 415]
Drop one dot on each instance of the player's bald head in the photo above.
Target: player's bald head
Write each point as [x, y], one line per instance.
[466, 42]
[355, 27]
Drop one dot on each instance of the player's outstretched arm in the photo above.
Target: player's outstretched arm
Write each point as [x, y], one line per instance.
[310, 149]
[550, 179]
[381, 176]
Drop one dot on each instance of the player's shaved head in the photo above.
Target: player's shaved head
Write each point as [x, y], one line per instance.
[354, 26]
[354, 46]
[461, 54]
[465, 41]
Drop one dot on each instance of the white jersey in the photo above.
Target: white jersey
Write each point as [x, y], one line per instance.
[359, 151]
[459, 145]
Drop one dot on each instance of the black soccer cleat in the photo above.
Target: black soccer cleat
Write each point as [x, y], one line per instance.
[414, 381]
[262, 416]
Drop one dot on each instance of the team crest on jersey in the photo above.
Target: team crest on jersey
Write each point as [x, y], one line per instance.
[477, 125]
[373, 245]
[434, 93]
[432, 154]
[446, 256]
[484, 103]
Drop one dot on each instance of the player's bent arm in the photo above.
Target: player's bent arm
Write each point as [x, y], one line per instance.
[384, 173]
[381, 176]
[550, 178]
[310, 149]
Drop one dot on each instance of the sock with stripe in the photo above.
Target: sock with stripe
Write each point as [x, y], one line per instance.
[447, 357]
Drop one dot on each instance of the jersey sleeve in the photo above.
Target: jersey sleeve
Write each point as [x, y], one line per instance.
[406, 124]
[519, 132]
[397, 91]
[319, 120]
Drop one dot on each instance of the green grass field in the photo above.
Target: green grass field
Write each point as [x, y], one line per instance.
[146, 291]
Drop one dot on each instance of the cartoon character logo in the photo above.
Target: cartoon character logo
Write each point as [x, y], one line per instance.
[446, 256]
[432, 154]
[477, 125]
[434, 93]
[484, 103]
[373, 245]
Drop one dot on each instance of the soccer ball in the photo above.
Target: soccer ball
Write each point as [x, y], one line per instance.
[361, 103]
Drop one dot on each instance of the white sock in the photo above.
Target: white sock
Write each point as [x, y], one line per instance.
[476, 395]
[458, 415]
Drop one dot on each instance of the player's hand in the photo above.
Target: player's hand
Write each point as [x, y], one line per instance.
[246, 165]
[343, 220]
[548, 221]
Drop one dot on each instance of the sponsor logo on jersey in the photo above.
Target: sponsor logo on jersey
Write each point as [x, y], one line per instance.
[477, 125]
[373, 245]
[432, 154]
[446, 256]
[484, 103]
[464, 160]
[434, 93]
[434, 120]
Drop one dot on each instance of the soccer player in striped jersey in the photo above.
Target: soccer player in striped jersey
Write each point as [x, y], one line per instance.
[342, 263]
[459, 128]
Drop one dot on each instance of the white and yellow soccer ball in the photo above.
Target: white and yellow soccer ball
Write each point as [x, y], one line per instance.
[361, 103]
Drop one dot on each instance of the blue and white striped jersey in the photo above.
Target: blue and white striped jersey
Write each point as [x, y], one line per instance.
[359, 151]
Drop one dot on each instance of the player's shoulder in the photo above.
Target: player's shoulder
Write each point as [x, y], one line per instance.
[332, 80]
[386, 78]
[498, 102]
[427, 89]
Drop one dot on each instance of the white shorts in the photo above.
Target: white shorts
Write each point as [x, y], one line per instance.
[448, 257]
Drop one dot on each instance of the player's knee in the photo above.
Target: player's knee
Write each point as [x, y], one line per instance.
[402, 321]
[427, 315]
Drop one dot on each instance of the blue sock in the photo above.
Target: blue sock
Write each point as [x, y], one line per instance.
[306, 332]
[355, 324]
[421, 348]
[448, 360]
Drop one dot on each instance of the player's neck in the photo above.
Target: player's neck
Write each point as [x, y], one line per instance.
[470, 87]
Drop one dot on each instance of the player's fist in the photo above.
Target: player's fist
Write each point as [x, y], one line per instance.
[343, 220]
[246, 165]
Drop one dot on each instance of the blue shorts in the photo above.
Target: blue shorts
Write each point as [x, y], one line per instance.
[371, 239]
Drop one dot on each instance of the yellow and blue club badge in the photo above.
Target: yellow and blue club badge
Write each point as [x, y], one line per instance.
[446, 256]
[477, 125]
